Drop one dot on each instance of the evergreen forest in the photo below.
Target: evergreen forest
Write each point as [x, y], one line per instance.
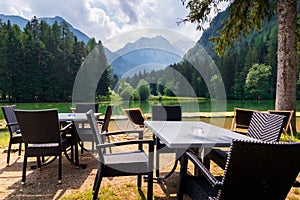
[40, 63]
[248, 69]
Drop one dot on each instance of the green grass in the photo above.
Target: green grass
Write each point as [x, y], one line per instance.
[4, 138]
[126, 191]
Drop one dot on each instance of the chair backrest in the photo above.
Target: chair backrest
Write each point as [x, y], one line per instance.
[107, 117]
[241, 118]
[287, 120]
[10, 117]
[265, 126]
[84, 107]
[95, 132]
[39, 126]
[135, 115]
[260, 170]
[166, 113]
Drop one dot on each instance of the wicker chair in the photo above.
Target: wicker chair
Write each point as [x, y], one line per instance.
[287, 122]
[106, 120]
[125, 163]
[15, 136]
[254, 170]
[241, 119]
[135, 117]
[165, 113]
[263, 126]
[42, 136]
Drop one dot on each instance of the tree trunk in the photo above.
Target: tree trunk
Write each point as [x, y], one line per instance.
[287, 56]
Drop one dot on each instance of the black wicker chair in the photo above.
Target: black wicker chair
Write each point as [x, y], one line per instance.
[135, 117]
[106, 120]
[125, 163]
[263, 126]
[15, 136]
[42, 136]
[287, 122]
[165, 113]
[254, 170]
[241, 119]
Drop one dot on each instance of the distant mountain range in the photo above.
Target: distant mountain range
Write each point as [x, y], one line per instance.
[21, 22]
[146, 54]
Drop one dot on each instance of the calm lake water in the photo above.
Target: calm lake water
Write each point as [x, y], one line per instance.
[188, 106]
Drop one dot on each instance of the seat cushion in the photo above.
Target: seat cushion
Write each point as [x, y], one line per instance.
[127, 162]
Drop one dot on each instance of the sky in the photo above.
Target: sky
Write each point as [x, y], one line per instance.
[108, 20]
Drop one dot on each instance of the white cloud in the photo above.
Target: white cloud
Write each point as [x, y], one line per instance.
[104, 19]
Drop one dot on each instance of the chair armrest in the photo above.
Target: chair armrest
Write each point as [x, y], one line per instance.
[204, 171]
[66, 127]
[124, 132]
[127, 142]
[12, 124]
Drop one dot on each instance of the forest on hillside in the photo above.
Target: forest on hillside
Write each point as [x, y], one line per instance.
[248, 69]
[40, 63]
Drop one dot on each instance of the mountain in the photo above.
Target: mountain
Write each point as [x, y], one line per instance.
[146, 54]
[21, 22]
[79, 34]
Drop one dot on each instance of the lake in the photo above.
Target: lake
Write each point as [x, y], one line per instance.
[187, 105]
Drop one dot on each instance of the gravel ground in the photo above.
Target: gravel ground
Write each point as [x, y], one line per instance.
[42, 184]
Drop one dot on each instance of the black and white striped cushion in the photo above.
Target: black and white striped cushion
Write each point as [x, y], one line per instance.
[265, 126]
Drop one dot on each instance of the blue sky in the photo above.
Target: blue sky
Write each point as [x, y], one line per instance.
[107, 19]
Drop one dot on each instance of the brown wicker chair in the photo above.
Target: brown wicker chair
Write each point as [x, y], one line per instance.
[15, 136]
[165, 113]
[126, 163]
[254, 170]
[42, 136]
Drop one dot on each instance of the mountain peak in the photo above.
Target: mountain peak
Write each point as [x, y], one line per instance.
[21, 22]
[157, 42]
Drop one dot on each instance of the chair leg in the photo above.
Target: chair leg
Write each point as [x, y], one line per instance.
[20, 148]
[38, 160]
[139, 181]
[8, 153]
[97, 186]
[157, 164]
[24, 169]
[96, 178]
[150, 186]
[60, 169]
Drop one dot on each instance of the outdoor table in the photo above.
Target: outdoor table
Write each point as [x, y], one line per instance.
[182, 135]
[72, 118]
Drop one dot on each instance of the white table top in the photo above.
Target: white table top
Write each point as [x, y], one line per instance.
[185, 134]
[74, 116]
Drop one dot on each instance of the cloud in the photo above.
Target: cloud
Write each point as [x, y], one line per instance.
[104, 19]
[129, 11]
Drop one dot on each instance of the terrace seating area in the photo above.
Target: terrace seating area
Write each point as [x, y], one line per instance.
[173, 187]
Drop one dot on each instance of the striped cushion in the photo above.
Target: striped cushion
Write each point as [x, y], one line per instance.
[265, 126]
